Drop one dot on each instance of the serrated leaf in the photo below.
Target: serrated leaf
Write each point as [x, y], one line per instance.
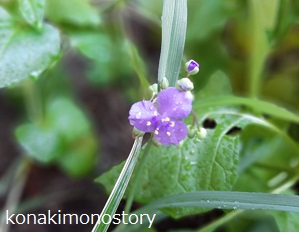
[174, 23]
[209, 164]
[40, 143]
[26, 53]
[76, 12]
[33, 12]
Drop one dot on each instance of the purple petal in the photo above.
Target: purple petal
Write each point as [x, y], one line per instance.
[191, 65]
[143, 115]
[171, 132]
[174, 104]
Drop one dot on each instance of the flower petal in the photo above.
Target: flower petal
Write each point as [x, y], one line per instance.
[171, 132]
[143, 115]
[174, 104]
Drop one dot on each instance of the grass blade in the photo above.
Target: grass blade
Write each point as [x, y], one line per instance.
[120, 186]
[174, 24]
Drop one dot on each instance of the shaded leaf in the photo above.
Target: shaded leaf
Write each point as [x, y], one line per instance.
[40, 143]
[77, 12]
[33, 12]
[26, 53]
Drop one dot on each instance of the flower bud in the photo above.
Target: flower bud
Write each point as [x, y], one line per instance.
[184, 84]
[201, 133]
[191, 131]
[189, 95]
[153, 88]
[137, 133]
[192, 67]
[164, 83]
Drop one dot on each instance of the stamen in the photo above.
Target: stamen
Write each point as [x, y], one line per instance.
[172, 123]
[168, 133]
[148, 123]
[156, 132]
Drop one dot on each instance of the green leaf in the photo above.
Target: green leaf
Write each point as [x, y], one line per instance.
[210, 164]
[26, 53]
[209, 16]
[67, 119]
[40, 143]
[217, 85]
[76, 12]
[286, 221]
[80, 156]
[263, 19]
[258, 105]
[33, 12]
[174, 23]
[228, 200]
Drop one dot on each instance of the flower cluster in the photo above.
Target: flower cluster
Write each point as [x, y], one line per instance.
[163, 116]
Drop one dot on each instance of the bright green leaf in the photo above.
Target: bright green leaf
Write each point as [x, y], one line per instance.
[33, 11]
[217, 85]
[209, 164]
[26, 53]
[258, 105]
[67, 119]
[80, 156]
[40, 143]
[77, 12]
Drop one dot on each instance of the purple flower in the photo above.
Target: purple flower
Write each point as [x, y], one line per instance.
[192, 67]
[165, 117]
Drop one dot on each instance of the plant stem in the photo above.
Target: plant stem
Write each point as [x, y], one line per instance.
[120, 186]
[140, 167]
[15, 192]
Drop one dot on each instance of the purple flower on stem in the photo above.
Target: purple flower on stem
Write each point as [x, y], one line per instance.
[192, 67]
[165, 117]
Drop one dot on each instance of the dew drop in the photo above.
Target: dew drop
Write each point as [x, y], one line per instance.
[138, 115]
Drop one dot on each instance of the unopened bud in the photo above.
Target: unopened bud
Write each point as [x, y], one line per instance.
[191, 132]
[184, 84]
[189, 95]
[192, 67]
[201, 133]
[164, 83]
[153, 88]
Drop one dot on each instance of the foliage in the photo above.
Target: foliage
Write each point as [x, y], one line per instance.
[247, 88]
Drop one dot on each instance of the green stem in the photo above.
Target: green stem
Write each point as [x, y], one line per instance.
[139, 170]
[120, 186]
[15, 192]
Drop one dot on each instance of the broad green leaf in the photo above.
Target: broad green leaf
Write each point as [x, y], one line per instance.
[210, 164]
[26, 53]
[40, 143]
[217, 85]
[286, 221]
[174, 23]
[76, 12]
[267, 160]
[207, 17]
[80, 156]
[67, 119]
[33, 12]
[258, 105]
[263, 20]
